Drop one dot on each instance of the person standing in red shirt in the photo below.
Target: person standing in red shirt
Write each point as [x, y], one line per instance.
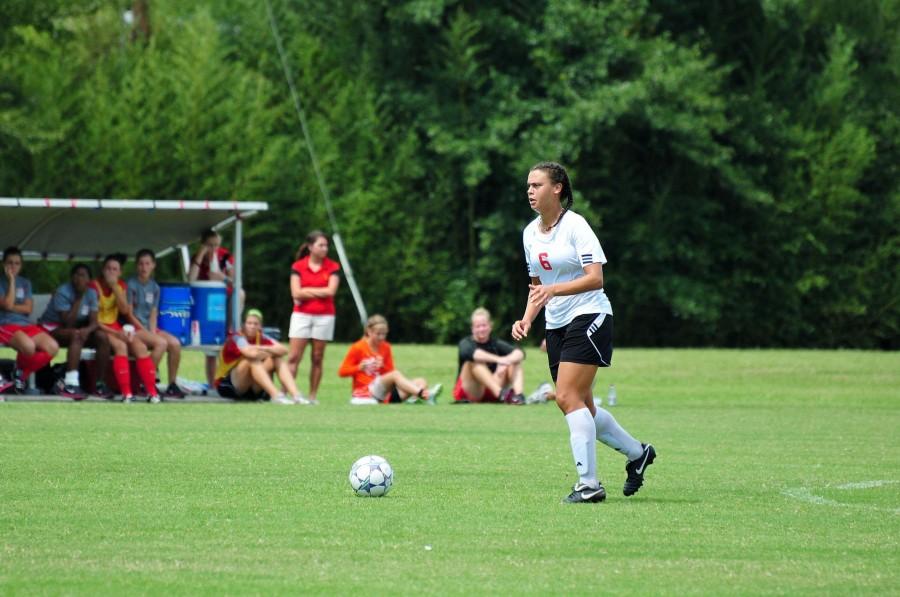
[213, 262]
[314, 282]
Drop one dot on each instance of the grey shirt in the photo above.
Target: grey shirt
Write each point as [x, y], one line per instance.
[62, 301]
[143, 298]
[23, 293]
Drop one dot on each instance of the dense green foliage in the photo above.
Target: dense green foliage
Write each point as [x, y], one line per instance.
[739, 160]
[762, 486]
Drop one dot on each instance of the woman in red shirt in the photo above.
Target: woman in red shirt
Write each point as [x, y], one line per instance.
[314, 282]
[370, 363]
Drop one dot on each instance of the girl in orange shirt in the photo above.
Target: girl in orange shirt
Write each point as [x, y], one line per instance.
[370, 363]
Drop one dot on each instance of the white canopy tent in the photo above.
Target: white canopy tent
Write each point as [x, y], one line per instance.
[88, 229]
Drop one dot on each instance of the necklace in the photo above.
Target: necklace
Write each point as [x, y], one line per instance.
[546, 229]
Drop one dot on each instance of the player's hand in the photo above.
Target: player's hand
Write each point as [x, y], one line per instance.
[8, 270]
[539, 295]
[520, 329]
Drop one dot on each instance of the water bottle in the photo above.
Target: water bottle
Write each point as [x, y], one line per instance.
[611, 397]
[195, 333]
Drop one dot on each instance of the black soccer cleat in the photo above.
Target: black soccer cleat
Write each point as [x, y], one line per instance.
[636, 468]
[583, 494]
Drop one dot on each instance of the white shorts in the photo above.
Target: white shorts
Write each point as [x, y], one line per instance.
[318, 327]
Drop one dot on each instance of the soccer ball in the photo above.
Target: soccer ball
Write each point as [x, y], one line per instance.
[371, 476]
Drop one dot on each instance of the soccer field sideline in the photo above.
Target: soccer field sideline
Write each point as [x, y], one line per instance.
[777, 473]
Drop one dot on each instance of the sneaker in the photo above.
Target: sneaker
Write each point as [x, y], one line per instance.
[282, 400]
[299, 399]
[539, 396]
[509, 396]
[65, 390]
[363, 401]
[433, 392]
[154, 399]
[20, 384]
[583, 494]
[636, 468]
[127, 399]
[5, 384]
[312, 401]
[173, 391]
[101, 391]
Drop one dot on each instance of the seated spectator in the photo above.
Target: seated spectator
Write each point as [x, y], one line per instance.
[246, 364]
[213, 262]
[33, 345]
[490, 369]
[71, 318]
[143, 299]
[370, 363]
[124, 331]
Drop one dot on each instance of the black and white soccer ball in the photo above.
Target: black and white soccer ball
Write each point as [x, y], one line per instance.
[371, 476]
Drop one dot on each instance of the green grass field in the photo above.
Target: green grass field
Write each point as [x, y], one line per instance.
[778, 472]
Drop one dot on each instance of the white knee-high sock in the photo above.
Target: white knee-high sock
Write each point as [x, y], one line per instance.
[611, 433]
[584, 446]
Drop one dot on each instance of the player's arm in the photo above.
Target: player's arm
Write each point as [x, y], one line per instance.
[153, 319]
[24, 308]
[521, 327]
[296, 287]
[92, 325]
[334, 281]
[9, 302]
[351, 365]
[70, 317]
[251, 352]
[121, 301]
[591, 280]
[276, 349]
[482, 356]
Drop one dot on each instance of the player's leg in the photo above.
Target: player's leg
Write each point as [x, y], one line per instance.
[316, 367]
[74, 343]
[156, 345]
[139, 346]
[173, 363]
[261, 372]
[100, 341]
[476, 378]
[121, 368]
[512, 377]
[406, 387]
[299, 333]
[573, 384]
[283, 371]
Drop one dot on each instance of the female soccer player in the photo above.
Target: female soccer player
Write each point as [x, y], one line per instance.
[34, 347]
[124, 332]
[314, 282]
[565, 264]
[370, 363]
[247, 362]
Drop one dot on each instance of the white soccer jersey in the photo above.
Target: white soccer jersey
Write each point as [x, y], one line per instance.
[560, 256]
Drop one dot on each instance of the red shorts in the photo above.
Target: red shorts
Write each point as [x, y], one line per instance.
[459, 393]
[8, 331]
[113, 326]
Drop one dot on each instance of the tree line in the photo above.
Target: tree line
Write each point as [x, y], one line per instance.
[738, 159]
